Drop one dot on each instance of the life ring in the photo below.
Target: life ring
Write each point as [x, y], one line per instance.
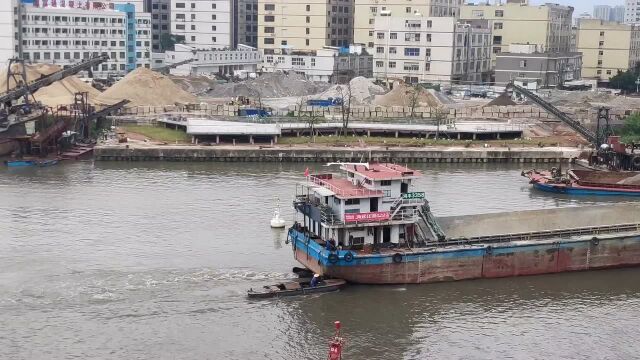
[595, 240]
[489, 250]
[348, 257]
[397, 258]
[333, 258]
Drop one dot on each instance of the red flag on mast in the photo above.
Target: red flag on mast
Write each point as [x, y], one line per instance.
[306, 172]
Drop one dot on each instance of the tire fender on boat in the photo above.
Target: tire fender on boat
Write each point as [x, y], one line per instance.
[348, 257]
[595, 240]
[636, 162]
[397, 258]
[333, 258]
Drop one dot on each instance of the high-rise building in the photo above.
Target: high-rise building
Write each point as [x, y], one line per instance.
[306, 25]
[607, 47]
[602, 12]
[631, 12]
[617, 13]
[431, 49]
[8, 31]
[160, 11]
[67, 34]
[204, 24]
[547, 26]
[247, 24]
[366, 12]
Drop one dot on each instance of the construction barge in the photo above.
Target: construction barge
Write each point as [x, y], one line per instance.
[370, 228]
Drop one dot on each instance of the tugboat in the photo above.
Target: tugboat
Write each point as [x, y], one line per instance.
[373, 228]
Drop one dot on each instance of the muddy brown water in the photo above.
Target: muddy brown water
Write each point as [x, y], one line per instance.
[152, 261]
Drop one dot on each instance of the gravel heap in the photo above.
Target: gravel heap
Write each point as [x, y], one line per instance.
[270, 85]
[363, 91]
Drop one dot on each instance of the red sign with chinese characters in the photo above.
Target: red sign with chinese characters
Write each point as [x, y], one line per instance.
[367, 217]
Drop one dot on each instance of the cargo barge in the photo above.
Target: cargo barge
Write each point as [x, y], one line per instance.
[370, 228]
[586, 182]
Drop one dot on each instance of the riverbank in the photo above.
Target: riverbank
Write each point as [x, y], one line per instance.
[308, 153]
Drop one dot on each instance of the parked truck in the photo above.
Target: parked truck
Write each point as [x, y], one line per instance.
[325, 102]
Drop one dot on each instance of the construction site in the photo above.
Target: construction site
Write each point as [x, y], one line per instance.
[51, 112]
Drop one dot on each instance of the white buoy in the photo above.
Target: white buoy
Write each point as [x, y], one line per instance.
[276, 221]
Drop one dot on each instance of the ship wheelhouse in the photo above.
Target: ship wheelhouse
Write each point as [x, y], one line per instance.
[371, 208]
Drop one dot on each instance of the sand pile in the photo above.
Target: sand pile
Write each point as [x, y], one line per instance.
[363, 91]
[33, 72]
[503, 100]
[269, 85]
[634, 180]
[403, 95]
[146, 87]
[63, 92]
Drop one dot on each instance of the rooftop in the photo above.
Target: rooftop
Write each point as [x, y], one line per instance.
[382, 171]
[343, 188]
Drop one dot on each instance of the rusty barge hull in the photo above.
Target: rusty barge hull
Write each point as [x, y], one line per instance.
[583, 248]
[476, 263]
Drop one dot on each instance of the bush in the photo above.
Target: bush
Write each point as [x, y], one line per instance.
[631, 129]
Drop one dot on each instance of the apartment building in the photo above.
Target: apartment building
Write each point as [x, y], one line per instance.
[366, 11]
[213, 61]
[617, 13]
[204, 24]
[304, 25]
[247, 24]
[548, 26]
[329, 64]
[65, 35]
[160, 11]
[602, 12]
[607, 47]
[631, 12]
[431, 49]
[8, 31]
[525, 63]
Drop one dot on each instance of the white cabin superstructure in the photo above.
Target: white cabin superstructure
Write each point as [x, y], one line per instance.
[372, 207]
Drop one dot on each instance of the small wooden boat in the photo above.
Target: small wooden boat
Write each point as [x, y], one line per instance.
[586, 182]
[19, 163]
[293, 288]
[24, 163]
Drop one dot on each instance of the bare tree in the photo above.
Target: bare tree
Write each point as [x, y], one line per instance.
[414, 98]
[346, 96]
[302, 101]
[439, 115]
[311, 120]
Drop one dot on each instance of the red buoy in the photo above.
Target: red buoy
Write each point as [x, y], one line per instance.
[336, 344]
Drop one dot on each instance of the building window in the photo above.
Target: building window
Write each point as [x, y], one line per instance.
[385, 182]
[497, 40]
[179, 27]
[380, 35]
[214, 28]
[392, 64]
[409, 66]
[308, 7]
[308, 19]
[497, 26]
[379, 50]
[269, 18]
[523, 63]
[392, 50]
[373, 9]
[306, 42]
[429, 23]
[297, 61]
[599, 62]
[477, 13]
[269, 7]
[393, 36]
[313, 62]
[412, 37]
[179, 5]
[269, 58]
[407, 10]
[600, 52]
[213, 17]
[601, 43]
[608, 72]
[268, 41]
[307, 30]
[379, 64]
[213, 39]
[269, 29]
[499, 13]
[497, 50]
[283, 42]
[372, 21]
[427, 67]
[601, 33]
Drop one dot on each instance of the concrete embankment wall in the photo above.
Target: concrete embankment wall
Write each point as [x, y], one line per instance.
[293, 154]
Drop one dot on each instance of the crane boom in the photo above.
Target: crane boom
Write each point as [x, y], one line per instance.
[47, 80]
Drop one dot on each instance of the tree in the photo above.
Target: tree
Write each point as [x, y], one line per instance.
[345, 106]
[414, 98]
[439, 115]
[168, 41]
[312, 120]
[631, 130]
[625, 80]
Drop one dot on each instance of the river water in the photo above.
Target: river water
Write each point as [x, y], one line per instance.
[152, 261]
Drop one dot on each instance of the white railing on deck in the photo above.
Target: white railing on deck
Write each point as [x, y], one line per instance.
[351, 192]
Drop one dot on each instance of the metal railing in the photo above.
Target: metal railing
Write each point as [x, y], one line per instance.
[356, 191]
